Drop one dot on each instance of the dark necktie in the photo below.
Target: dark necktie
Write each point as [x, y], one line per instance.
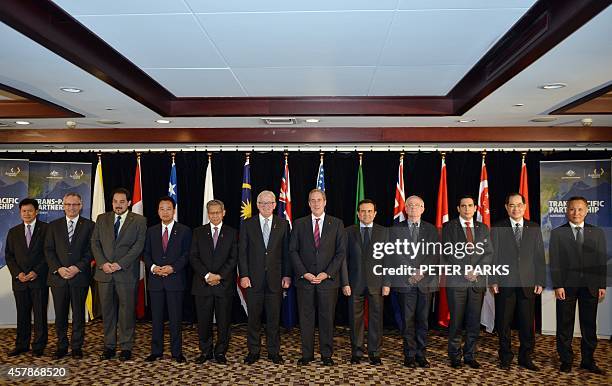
[165, 239]
[517, 234]
[317, 234]
[579, 236]
[468, 233]
[414, 232]
[29, 235]
[117, 225]
[215, 237]
[366, 237]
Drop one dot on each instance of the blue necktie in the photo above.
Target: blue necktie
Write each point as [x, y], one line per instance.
[117, 225]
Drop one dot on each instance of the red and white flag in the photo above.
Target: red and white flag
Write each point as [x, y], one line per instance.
[441, 218]
[523, 189]
[487, 316]
[399, 209]
[141, 300]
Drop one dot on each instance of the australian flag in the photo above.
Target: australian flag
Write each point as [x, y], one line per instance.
[173, 188]
[289, 306]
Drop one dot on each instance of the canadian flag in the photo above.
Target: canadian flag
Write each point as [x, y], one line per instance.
[441, 218]
[141, 300]
[523, 189]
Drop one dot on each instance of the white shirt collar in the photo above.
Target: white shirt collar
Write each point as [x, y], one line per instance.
[212, 227]
[169, 226]
[262, 219]
[464, 221]
[362, 225]
[32, 225]
[123, 216]
[322, 217]
[74, 220]
[514, 222]
[574, 226]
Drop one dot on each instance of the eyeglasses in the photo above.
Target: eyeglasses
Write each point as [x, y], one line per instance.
[266, 203]
[412, 206]
[512, 206]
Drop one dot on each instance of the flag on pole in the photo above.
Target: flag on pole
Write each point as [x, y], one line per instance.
[173, 188]
[399, 209]
[523, 188]
[98, 207]
[487, 316]
[289, 305]
[321, 175]
[245, 213]
[137, 206]
[441, 218]
[208, 190]
[358, 197]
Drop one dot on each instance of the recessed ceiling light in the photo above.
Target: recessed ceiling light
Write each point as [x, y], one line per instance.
[552, 86]
[466, 120]
[108, 121]
[22, 122]
[73, 90]
[313, 120]
[109, 108]
[279, 121]
[543, 119]
[163, 121]
[518, 105]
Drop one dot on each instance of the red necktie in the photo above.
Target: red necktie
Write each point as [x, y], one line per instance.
[468, 232]
[317, 234]
[165, 239]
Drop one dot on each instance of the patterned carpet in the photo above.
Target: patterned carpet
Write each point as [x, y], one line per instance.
[91, 371]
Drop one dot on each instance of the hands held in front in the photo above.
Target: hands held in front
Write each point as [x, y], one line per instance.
[214, 279]
[286, 282]
[163, 270]
[31, 276]
[68, 273]
[414, 279]
[316, 279]
[110, 267]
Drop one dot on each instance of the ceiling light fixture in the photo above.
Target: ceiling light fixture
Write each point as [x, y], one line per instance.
[313, 120]
[22, 122]
[279, 121]
[163, 121]
[466, 120]
[518, 105]
[108, 121]
[552, 86]
[72, 90]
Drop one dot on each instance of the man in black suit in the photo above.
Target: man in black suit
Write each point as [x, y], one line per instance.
[68, 253]
[117, 243]
[166, 254]
[415, 290]
[471, 247]
[25, 259]
[578, 268]
[518, 244]
[264, 272]
[359, 282]
[213, 257]
[317, 250]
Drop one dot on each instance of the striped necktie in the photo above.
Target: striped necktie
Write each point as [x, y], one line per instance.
[70, 230]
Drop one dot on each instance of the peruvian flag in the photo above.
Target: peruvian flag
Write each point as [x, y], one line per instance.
[487, 316]
[399, 210]
[523, 189]
[441, 218]
[141, 300]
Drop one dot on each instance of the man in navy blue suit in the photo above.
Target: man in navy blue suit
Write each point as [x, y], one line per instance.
[166, 255]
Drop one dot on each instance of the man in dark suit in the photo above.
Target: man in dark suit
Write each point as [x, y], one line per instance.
[264, 272]
[518, 244]
[359, 281]
[117, 243]
[68, 253]
[317, 250]
[166, 254]
[25, 259]
[471, 247]
[213, 257]
[578, 268]
[415, 290]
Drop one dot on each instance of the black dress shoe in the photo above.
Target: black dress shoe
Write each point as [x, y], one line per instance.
[472, 363]
[593, 369]
[504, 365]
[409, 362]
[355, 360]
[251, 358]
[125, 355]
[152, 358]
[423, 362]
[77, 353]
[179, 359]
[565, 367]
[37, 352]
[220, 359]
[375, 361]
[107, 354]
[17, 351]
[456, 363]
[276, 359]
[529, 365]
[59, 354]
[327, 361]
[304, 361]
[203, 358]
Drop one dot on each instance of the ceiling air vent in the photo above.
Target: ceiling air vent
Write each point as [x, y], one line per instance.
[279, 121]
[5, 124]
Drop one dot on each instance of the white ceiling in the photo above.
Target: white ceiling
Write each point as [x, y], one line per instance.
[305, 48]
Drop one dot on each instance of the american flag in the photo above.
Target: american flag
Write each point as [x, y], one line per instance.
[321, 176]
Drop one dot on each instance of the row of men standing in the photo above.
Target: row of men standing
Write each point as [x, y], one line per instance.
[323, 257]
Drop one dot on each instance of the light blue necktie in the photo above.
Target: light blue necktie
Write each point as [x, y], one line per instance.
[266, 232]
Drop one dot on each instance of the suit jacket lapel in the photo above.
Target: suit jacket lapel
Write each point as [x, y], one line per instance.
[128, 220]
[274, 229]
[326, 226]
[257, 225]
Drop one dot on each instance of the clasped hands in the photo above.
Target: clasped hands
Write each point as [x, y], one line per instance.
[245, 282]
[68, 272]
[316, 279]
[213, 279]
[164, 270]
[110, 267]
[31, 276]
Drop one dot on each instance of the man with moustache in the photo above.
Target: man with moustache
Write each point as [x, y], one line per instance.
[117, 243]
[415, 292]
[359, 282]
[213, 256]
[578, 268]
[317, 250]
[517, 243]
[264, 272]
[465, 292]
[25, 259]
[68, 253]
[166, 254]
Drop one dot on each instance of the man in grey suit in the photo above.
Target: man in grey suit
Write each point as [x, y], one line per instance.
[317, 249]
[117, 242]
[360, 282]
